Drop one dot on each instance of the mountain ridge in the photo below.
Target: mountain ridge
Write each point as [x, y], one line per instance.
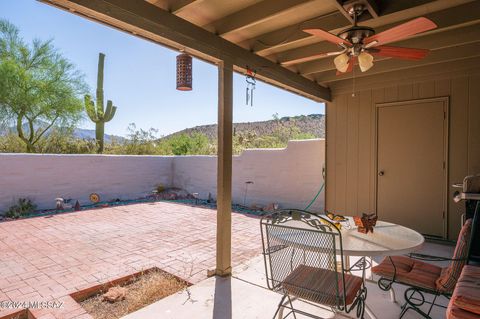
[313, 124]
[80, 133]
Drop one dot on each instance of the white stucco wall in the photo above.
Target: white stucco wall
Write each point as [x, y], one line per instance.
[43, 178]
[290, 176]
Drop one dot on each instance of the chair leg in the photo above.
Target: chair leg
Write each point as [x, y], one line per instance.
[417, 310]
[392, 295]
[291, 306]
[280, 306]
[433, 304]
[414, 303]
[405, 308]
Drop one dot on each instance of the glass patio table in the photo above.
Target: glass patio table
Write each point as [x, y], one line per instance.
[387, 239]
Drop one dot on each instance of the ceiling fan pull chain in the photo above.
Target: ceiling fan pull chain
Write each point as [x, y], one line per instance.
[353, 90]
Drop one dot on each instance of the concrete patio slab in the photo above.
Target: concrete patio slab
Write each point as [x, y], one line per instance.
[245, 296]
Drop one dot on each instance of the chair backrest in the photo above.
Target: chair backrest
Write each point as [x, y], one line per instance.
[300, 247]
[449, 277]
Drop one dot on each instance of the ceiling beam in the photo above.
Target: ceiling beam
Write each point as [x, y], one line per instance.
[180, 5]
[435, 41]
[372, 7]
[342, 10]
[270, 42]
[159, 3]
[148, 21]
[408, 76]
[389, 65]
[277, 41]
[252, 15]
[444, 19]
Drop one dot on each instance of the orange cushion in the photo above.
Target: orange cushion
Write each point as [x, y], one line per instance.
[454, 312]
[403, 265]
[467, 292]
[449, 277]
[409, 271]
[321, 285]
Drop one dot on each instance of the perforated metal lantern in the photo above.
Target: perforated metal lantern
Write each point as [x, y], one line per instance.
[184, 72]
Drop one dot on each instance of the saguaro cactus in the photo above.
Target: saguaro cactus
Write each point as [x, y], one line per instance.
[97, 113]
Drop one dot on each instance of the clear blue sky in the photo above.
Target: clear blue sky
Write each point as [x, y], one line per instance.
[140, 76]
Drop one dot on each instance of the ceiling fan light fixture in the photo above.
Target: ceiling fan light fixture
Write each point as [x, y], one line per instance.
[341, 62]
[365, 61]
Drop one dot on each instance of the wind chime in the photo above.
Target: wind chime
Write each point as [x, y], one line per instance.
[184, 72]
[251, 81]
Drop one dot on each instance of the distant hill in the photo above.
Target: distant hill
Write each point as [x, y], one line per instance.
[90, 134]
[78, 133]
[313, 124]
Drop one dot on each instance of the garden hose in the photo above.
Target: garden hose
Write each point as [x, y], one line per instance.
[319, 191]
[315, 198]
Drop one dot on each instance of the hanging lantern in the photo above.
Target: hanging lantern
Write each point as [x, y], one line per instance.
[184, 72]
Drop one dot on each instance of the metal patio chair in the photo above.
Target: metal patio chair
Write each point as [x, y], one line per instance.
[422, 277]
[304, 259]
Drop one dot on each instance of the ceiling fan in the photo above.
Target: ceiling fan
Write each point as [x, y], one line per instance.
[360, 43]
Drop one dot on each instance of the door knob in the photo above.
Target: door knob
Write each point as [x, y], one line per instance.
[381, 173]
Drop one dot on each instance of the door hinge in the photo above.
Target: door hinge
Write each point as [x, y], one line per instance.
[443, 215]
[444, 165]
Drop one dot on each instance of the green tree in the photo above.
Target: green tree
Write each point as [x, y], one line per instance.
[39, 88]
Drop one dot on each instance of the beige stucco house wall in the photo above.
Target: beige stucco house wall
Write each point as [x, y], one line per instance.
[351, 131]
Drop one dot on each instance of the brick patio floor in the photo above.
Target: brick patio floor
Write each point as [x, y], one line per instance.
[49, 258]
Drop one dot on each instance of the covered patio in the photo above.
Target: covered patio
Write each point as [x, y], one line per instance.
[398, 135]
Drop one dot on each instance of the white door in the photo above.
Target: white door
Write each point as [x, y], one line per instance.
[411, 164]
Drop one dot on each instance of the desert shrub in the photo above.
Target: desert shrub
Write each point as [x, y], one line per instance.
[278, 139]
[11, 143]
[59, 141]
[145, 142]
[22, 208]
[138, 142]
[62, 141]
[188, 144]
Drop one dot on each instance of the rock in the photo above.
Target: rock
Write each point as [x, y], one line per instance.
[271, 207]
[115, 294]
[255, 207]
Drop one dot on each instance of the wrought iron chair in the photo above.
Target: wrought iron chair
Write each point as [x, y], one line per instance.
[422, 277]
[304, 259]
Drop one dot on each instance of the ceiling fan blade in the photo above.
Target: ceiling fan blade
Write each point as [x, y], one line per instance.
[351, 64]
[310, 58]
[327, 36]
[402, 31]
[399, 52]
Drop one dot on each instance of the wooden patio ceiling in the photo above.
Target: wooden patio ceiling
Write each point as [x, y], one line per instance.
[261, 34]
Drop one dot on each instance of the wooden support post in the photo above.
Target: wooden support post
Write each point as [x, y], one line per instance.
[224, 169]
